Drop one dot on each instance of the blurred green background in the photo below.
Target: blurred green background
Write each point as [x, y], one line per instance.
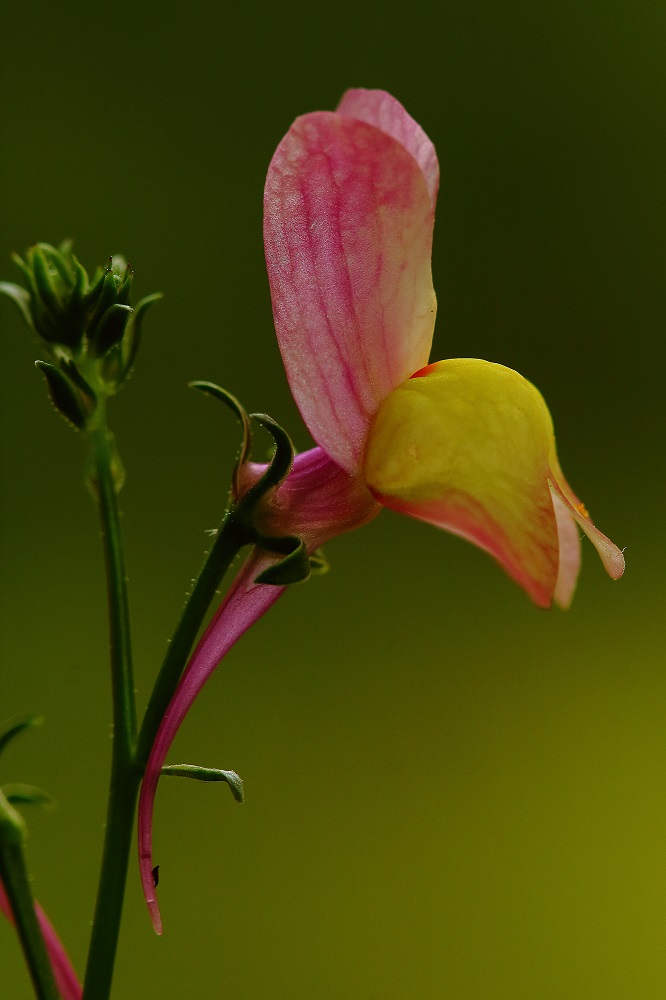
[449, 793]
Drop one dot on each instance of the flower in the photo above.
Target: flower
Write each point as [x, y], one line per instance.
[464, 444]
[65, 977]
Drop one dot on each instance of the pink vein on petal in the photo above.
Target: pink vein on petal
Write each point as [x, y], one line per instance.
[348, 237]
[381, 109]
[243, 605]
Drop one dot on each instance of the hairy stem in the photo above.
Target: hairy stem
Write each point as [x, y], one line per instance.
[129, 754]
[125, 778]
[229, 539]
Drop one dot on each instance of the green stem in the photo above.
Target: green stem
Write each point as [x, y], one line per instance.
[229, 539]
[125, 778]
[129, 755]
[15, 879]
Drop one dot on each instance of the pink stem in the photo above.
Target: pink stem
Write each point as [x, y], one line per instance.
[66, 979]
[243, 605]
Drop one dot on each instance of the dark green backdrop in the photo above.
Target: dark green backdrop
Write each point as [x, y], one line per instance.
[449, 793]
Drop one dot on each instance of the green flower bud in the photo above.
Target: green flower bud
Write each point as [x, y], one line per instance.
[89, 325]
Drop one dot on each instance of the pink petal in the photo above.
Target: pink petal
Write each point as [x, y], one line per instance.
[611, 556]
[380, 109]
[570, 554]
[348, 234]
[317, 501]
[63, 971]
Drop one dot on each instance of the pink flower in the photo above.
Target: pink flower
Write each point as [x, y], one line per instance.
[63, 972]
[463, 444]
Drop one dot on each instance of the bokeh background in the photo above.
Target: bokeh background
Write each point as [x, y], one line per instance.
[449, 793]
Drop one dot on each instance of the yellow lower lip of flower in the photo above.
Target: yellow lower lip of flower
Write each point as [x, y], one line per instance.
[467, 445]
[463, 424]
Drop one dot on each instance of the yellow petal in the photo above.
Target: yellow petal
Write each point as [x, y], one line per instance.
[465, 445]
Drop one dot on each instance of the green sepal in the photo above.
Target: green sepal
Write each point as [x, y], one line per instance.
[95, 286]
[283, 456]
[21, 298]
[133, 335]
[65, 395]
[233, 780]
[123, 295]
[294, 568]
[60, 313]
[102, 296]
[57, 260]
[216, 391]
[45, 285]
[277, 470]
[65, 247]
[87, 392]
[111, 327]
[52, 303]
[10, 730]
[27, 795]
[42, 321]
[81, 285]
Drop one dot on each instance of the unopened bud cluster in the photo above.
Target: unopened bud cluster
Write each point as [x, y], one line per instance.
[88, 324]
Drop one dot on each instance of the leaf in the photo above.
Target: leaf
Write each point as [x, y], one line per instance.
[232, 779]
[27, 795]
[10, 730]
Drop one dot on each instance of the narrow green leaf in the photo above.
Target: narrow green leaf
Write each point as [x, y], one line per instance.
[10, 730]
[232, 779]
[27, 795]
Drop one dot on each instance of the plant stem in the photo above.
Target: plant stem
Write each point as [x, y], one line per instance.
[125, 778]
[15, 879]
[229, 539]
[129, 756]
